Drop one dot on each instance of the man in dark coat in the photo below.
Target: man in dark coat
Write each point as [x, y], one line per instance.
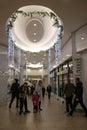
[49, 91]
[68, 93]
[78, 97]
[14, 92]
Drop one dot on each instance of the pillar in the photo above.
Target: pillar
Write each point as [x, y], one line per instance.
[3, 79]
[74, 55]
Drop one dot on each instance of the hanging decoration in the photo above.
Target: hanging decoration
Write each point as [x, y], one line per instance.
[56, 54]
[30, 14]
[10, 50]
[19, 59]
[58, 47]
[26, 71]
[42, 72]
[49, 59]
[14, 16]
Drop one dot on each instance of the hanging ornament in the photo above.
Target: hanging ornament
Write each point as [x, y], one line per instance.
[19, 59]
[56, 54]
[49, 59]
[26, 72]
[42, 72]
[58, 46]
[10, 50]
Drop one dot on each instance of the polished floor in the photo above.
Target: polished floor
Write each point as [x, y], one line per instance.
[53, 117]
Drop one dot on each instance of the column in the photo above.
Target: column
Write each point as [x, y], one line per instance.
[76, 59]
[73, 54]
[21, 76]
[3, 79]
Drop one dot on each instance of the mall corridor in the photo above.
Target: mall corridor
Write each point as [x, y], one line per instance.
[52, 117]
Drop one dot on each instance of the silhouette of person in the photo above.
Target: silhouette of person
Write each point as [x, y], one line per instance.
[39, 90]
[14, 92]
[78, 97]
[23, 92]
[43, 91]
[49, 91]
[68, 94]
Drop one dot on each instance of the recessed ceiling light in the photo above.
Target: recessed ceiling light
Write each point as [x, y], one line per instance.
[25, 58]
[44, 54]
[82, 38]
[43, 58]
[34, 40]
[35, 24]
[24, 54]
[34, 34]
[34, 54]
[67, 55]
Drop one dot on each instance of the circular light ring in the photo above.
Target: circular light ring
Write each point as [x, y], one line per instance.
[50, 32]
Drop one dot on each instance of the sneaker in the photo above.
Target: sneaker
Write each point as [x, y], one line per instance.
[27, 111]
[69, 114]
[24, 113]
[20, 112]
[86, 114]
[9, 106]
[40, 109]
[34, 111]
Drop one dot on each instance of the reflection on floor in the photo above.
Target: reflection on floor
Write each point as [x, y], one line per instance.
[51, 118]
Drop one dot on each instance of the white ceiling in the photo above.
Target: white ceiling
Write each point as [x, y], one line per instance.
[72, 12]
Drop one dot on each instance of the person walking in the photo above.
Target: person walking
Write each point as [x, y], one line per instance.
[23, 92]
[39, 91]
[14, 93]
[68, 94]
[49, 91]
[43, 91]
[78, 97]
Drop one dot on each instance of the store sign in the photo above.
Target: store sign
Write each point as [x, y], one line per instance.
[78, 66]
[65, 71]
[52, 75]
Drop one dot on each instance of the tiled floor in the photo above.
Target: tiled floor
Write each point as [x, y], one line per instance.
[51, 118]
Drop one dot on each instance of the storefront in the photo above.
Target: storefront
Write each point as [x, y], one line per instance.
[53, 80]
[65, 72]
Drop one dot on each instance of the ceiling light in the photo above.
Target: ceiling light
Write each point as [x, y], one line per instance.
[44, 54]
[24, 54]
[82, 38]
[67, 55]
[35, 24]
[38, 65]
[11, 66]
[70, 65]
[34, 34]
[43, 58]
[25, 58]
[34, 40]
[65, 66]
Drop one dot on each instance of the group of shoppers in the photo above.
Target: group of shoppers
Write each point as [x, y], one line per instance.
[21, 93]
[74, 95]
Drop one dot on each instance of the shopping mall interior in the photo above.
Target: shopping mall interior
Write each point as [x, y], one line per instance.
[43, 40]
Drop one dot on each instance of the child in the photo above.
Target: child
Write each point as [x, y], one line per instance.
[35, 99]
